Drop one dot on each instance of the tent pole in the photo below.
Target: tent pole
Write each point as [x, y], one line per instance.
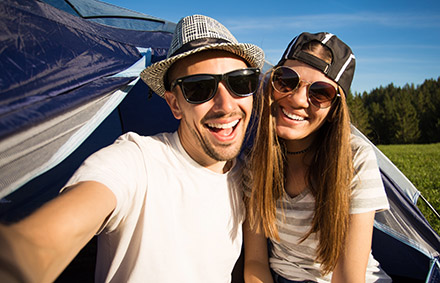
[430, 206]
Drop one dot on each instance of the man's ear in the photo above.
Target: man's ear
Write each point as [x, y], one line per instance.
[173, 103]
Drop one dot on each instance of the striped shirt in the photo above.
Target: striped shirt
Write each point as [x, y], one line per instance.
[294, 260]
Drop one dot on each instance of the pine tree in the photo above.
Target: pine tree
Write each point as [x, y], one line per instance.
[398, 115]
[406, 117]
[358, 113]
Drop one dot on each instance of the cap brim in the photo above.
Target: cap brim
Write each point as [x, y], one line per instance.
[154, 75]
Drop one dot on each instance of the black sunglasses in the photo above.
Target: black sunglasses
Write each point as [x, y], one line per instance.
[200, 88]
[285, 80]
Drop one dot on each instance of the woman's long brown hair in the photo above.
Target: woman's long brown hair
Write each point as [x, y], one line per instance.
[329, 180]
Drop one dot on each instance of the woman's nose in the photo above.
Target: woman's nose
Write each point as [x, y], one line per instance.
[299, 97]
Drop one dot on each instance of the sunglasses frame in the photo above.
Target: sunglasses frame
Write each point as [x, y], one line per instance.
[218, 78]
[309, 84]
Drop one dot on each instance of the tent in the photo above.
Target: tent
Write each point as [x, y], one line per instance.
[64, 76]
[70, 85]
[403, 241]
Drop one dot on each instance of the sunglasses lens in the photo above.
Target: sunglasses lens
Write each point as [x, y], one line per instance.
[198, 89]
[284, 79]
[201, 88]
[321, 94]
[243, 82]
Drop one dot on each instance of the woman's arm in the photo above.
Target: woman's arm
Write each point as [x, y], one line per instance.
[352, 264]
[256, 259]
[38, 248]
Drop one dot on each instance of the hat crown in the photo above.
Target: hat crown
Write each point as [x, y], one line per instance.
[343, 64]
[194, 34]
[198, 27]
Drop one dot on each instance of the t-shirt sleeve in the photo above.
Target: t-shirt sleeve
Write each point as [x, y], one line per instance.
[121, 168]
[368, 192]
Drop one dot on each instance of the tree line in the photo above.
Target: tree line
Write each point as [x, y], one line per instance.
[398, 115]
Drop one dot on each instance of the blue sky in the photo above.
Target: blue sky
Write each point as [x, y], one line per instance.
[394, 41]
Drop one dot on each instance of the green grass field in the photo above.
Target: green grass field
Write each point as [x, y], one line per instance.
[421, 165]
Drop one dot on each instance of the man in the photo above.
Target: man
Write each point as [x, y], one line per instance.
[167, 208]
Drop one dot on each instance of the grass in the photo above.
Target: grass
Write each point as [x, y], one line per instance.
[421, 165]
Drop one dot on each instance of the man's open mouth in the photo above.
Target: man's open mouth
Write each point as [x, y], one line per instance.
[223, 129]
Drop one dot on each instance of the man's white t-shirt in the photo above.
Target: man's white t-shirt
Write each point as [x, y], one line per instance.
[175, 221]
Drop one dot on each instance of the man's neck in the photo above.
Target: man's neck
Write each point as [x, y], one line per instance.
[204, 160]
[221, 166]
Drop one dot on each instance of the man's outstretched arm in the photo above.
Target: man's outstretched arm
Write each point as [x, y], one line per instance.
[39, 247]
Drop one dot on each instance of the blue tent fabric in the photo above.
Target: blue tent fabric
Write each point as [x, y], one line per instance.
[398, 254]
[39, 190]
[42, 107]
[108, 14]
[403, 241]
[402, 206]
[434, 271]
[47, 56]
[56, 66]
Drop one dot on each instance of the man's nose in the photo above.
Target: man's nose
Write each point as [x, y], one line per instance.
[224, 99]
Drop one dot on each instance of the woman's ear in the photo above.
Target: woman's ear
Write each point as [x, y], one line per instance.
[174, 105]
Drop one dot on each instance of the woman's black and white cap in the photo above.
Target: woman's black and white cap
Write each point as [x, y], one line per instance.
[194, 34]
[341, 69]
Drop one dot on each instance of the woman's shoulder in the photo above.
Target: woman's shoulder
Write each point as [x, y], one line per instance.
[362, 149]
[358, 143]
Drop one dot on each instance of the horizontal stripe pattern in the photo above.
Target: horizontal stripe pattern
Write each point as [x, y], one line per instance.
[294, 260]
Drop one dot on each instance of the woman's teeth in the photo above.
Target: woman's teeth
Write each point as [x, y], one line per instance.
[292, 116]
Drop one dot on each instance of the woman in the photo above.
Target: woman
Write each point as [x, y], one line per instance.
[315, 187]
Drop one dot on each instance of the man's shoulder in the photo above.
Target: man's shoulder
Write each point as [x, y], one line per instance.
[151, 140]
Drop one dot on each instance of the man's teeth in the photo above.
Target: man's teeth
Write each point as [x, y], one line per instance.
[223, 126]
[292, 116]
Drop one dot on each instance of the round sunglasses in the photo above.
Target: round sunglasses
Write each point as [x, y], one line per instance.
[321, 94]
[200, 88]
